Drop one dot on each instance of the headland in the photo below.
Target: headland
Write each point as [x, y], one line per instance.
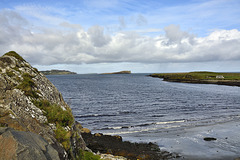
[121, 72]
[220, 78]
[57, 72]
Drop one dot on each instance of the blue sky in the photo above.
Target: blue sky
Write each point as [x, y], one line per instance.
[95, 36]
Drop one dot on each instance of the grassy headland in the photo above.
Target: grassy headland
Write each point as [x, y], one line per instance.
[121, 72]
[57, 72]
[232, 79]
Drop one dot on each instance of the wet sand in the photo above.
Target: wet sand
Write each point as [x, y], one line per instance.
[190, 143]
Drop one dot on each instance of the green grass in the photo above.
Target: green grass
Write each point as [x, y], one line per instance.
[55, 114]
[27, 85]
[197, 76]
[63, 136]
[14, 54]
[84, 155]
[62, 118]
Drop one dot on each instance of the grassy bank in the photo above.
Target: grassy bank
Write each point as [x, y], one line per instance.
[232, 79]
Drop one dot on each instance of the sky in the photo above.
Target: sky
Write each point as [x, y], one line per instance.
[98, 36]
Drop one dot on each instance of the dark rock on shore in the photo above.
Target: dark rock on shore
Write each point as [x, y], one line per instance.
[114, 145]
[209, 139]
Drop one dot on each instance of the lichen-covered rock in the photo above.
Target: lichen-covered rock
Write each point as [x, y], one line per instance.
[30, 102]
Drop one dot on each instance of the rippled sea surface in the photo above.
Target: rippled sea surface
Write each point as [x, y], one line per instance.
[136, 106]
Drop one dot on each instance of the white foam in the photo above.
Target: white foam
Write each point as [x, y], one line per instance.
[115, 127]
[139, 131]
[169, 122]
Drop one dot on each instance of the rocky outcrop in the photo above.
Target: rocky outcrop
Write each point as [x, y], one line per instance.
[114, 145]
[30, 103]
[24, 145]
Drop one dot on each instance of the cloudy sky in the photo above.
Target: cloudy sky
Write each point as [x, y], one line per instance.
[95, 36]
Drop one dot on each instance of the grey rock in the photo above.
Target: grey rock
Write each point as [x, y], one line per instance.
[18, 111]
[25, 145]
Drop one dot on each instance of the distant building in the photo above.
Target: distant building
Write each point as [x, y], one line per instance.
[219, 76]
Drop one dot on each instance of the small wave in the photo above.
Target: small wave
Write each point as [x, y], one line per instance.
[115, 128]
[158, 123]
[139, 131]
[141, 125]
[169, 122]
[86, 116]
[126, 112]
[120, 133]
[158, 115]
[94, 115]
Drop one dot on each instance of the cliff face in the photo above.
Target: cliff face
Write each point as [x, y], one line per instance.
[29, 102]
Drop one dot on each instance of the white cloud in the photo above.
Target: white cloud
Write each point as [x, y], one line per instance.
[97, 36]
[175, 35]
[77, 46]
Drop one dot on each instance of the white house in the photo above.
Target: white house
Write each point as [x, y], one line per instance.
[219, 76]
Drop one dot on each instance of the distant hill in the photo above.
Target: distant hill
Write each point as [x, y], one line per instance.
[57, 72]
[121, 72]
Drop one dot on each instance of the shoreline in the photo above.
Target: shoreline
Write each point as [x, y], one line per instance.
[217, 82]
[189, 143]
[115, 146]
[229, 79]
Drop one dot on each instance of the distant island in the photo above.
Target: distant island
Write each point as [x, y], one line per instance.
[121, 72]
[231, 79]
[57, 72]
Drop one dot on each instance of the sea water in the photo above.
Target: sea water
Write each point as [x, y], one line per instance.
[140, 108]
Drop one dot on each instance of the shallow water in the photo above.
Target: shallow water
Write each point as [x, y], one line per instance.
[141, 108]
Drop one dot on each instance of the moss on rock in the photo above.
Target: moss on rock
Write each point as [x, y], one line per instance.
[84, 155]
[55, 114]
[14, 54]
[10, 73]
[63, 136]
[28, 85]
[61, 118]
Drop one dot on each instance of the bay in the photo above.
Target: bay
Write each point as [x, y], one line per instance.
[145, 109]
